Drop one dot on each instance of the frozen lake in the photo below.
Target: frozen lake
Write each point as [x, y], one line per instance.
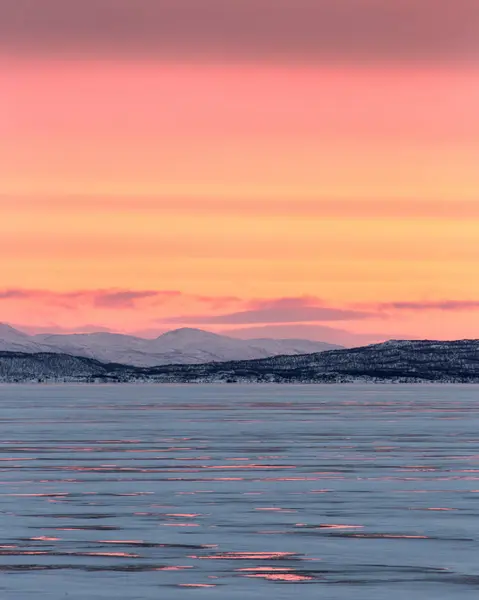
[236, 492]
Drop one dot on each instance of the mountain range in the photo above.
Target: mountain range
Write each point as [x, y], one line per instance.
[393, 361]
[180, 346]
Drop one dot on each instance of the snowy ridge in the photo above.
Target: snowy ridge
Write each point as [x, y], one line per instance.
[410, 362]
[181, 346]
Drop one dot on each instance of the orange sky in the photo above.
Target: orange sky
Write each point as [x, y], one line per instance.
[341, 186]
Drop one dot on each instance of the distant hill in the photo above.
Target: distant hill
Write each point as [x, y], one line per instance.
[16, 341]
[181, 346]
[394, 361]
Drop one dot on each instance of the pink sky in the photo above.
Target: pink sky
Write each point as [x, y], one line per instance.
[287, 168]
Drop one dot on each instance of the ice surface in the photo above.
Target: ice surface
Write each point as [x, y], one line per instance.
[236, 492]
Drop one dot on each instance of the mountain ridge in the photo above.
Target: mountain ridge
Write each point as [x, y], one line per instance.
[183, 345]
[399, 361]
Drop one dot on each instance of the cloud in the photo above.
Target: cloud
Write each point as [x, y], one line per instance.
[296, 309]
[112, 299]
[127, 299]
[446, 305]
[278, 30]
[321, 333]
[281, 310]
[15, 294]
[311, 309]
[290, 302]
[116, 299]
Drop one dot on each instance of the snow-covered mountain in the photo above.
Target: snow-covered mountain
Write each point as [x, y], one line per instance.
[12, 340]
[181, 346]
[420, 361]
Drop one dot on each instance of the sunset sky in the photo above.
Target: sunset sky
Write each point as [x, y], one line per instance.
[282, 168]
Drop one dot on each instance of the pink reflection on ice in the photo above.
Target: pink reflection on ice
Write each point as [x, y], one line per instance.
[330, 526]
[248, 466]
[121, 542]
[111, 554]
[186, 515]
[172, 568]
[291, 577]
[246, 556]
[267, 569]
